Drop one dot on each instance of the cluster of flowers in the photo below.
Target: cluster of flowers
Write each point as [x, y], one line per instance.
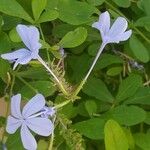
[35, 115]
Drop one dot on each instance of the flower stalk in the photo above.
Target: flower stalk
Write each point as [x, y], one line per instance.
[54, 76]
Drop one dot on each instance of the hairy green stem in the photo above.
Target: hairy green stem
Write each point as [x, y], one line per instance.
[52, 138]
[62, 104]
[54, 76]
[8, 105]
[84, 80]
[51, 72]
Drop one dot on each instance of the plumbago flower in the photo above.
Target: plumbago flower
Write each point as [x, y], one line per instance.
[114, 34]
[31, 118]
[30, 37]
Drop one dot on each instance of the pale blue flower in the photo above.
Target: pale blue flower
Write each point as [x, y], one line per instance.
[30, 37]
[48, 111]
[29, 119]
[114, 34]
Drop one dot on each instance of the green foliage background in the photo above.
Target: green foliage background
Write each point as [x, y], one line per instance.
[117, 91]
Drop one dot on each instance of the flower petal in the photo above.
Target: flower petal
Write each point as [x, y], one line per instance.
[118, 27]
[24, 60]
[121, 37]
[41, 126]
[16, 54]
[15, 106]
[12, 124]
[27, 138]
[34, 105]
[48, 111]
[103, 24]
[30, 36]
[124, 36]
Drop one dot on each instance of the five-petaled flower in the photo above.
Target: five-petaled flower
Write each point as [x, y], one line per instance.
[30, 37]
[114, 34]
[30, 118]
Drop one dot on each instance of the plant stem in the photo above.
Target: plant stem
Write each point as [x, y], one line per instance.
[52, 138]
[44, 41]
[95, 60]
[56, 79]
[85, 79]
[90, 70]
[44, 64]
[62, 104]
[8, 104]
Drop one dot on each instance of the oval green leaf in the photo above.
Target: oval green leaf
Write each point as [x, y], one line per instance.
[92, 128]
[74, 38]
[138, 49]
[115, 138]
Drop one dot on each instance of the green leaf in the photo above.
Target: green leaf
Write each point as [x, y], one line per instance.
[93, 35]
[2, 121]
[5, 66]
[70, 111]
[115, 138]
[145, 6]
[37, 7]
[45, 87]
[14, 141]
[78, 64]
[42, 145]
[95, 2]
[97, 88]
[13, 8]
[62, 29]
[142, 140]
[107, 60]
[1, 22]
[72, 12]
[130, 138]
[142, 96]
[4, 43]
[123, 3]
[74, 38]
[147, 120]
[10, 22]
[45, 45]
[143, 21]
[127, 115]
[93, 48]
[14, 36]
[48, 16]
[138, 49]
[91, 107]
[128, 87]
[34, 73]
[114, 71]
[92, 128]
